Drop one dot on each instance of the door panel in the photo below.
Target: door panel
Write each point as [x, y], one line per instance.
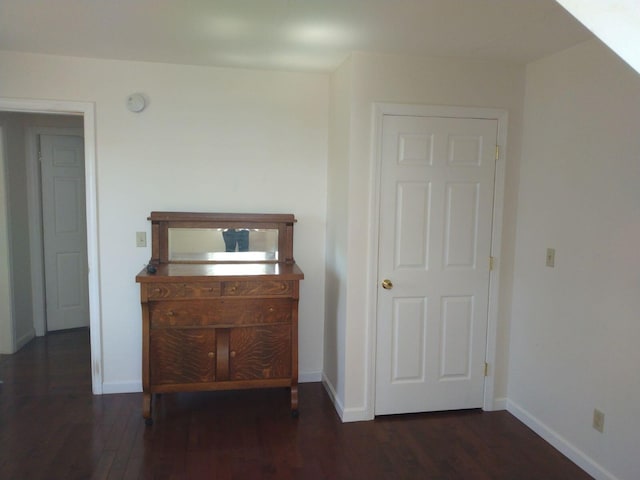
[436, 197]
[461, 232]
[409, 342]
[64, 230]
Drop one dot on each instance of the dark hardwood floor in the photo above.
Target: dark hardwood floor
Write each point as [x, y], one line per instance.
[51, 427]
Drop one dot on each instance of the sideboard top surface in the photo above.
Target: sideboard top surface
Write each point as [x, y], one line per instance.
[172, 272]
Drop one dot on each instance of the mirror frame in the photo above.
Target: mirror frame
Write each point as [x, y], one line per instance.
[162, 221]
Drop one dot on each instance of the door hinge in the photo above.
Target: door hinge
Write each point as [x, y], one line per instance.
[491, 263]
[497, 152]
[486, 369]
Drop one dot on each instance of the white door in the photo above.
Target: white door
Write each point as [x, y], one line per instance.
[64, 231]
[436, 205]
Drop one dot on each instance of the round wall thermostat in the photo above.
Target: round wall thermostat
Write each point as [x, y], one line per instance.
[136, 102]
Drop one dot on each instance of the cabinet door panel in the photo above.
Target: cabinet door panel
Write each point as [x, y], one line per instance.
[182, 356]
[260, 352]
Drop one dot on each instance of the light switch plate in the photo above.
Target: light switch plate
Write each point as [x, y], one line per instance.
[598, 420]
[141, 239]
[551, 257]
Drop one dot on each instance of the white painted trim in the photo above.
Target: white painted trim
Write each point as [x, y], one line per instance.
[560, 443]
[122, 387]
[7, 332]
[309, 377]
[34, 206]
[34, 203]
[379, 110]
[346, 414]
[499, 404]
[24, 339]
[87, 110]
[496, 249]
[333, 395]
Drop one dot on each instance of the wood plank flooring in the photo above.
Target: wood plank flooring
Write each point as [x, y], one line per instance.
[51, 427]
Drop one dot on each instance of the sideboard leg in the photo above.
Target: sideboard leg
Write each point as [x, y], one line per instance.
[294, 401]
[146, 408]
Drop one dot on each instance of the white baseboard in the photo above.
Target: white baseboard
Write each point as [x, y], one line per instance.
[345, 414]
[309, 377]
[24, 339]
[121, 387]
[499, 404]
[356, 415]
[559, 443]
[328, 386]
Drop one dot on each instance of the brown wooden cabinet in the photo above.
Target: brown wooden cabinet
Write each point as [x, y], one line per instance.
[215, 315]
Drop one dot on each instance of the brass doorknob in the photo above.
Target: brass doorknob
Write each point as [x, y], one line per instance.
[386, 284]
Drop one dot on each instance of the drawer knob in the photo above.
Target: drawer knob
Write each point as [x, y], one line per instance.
[170, 313]
[210, 354]
[271, 309]
[156, 290]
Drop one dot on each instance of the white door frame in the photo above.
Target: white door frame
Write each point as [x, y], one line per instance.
[87, 110]
[7, 324]
[34, 205]
[379, 111]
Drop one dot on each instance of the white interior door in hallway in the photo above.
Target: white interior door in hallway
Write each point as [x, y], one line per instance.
[435, 228]
[64, 231]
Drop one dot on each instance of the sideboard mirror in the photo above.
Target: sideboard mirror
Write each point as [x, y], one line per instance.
[179, 237]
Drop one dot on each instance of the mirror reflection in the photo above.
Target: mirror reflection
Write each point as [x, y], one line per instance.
[223, 244]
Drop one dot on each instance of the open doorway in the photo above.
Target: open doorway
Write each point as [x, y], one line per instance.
[37, 119]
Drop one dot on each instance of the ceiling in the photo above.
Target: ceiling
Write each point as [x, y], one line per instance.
[299, 35]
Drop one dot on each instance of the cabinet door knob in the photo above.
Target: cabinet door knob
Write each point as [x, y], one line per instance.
[210, 354]
[232, 354]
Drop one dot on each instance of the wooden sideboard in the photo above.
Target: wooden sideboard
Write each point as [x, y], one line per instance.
[214, 320]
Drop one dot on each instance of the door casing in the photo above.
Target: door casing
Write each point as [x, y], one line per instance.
[379, 111]
[87, 110]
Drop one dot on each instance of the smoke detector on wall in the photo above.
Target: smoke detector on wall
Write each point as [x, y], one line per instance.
[136, 102]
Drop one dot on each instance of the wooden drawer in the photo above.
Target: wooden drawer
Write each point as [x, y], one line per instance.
[220, 312]
[257, 288]
[157, 291]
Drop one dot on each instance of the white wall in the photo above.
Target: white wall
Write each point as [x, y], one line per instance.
[337, 228]
[434, 81]
[575, 328]
[211, 139]
[18, 230]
